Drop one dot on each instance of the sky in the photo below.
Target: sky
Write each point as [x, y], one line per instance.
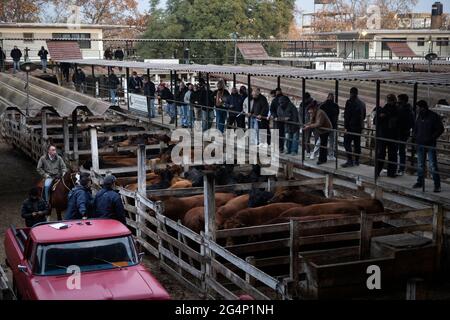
[308, 5]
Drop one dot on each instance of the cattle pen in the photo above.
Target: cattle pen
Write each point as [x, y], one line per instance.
[297, 259]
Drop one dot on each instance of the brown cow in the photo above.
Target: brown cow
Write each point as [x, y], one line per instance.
[257, 216]
[344, 207]
[300, 197]
[175, 208]
[194, 219]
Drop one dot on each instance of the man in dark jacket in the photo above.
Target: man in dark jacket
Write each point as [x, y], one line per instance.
[16, 54]
[274, 104]
[118, 54]
[206, 102]
[34, 208]
[386, 121]
[427, 130]
[406, 123]
[2, 59]
[234, 104]
[79, 80]
[113, 83]
[166, 94]
[183, 107]
[259, 114]
[79, 203]
[43, 55]
[354, 116]
[332, 110]
[149, 93]
[286, 111]
[108, 54]
[135, 83]
[220, 97]
[302, 112]
[107, 202]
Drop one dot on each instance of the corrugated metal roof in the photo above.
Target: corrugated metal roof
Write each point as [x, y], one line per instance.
[44, 94]
[286, 72]
[60, 50]
[401, 49]
[358, 61]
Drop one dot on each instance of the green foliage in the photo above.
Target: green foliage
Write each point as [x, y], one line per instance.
[213, 19]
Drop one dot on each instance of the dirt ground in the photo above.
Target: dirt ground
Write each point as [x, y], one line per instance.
[17, 175]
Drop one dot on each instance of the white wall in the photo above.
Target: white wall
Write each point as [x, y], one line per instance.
[95, 52]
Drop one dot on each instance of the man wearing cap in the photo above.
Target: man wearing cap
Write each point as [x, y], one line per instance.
[107, 202]
[79, 205]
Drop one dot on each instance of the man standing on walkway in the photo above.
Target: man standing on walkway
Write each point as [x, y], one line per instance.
[43, 55]
[354, 116]
[427, 130]
[34, 209]
[2, 59]
[149, 93]
[16, 54]
[332, 110]
[406, 123]
[113, 83]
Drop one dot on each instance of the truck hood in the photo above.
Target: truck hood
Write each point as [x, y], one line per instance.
[129, 283]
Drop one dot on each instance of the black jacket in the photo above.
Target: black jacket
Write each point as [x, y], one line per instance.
[354, 115]
[234, 102]
[289, 113]
[428, 128]
[180, 95]
[16, 54]
[43, 54]
[387, 120]
[108, 204]
[79, 77]
[118, 54]
[113, 81]
[2, 55]
[274, 106]
[406, 123]
[150, 89]
[206, 97]
[167, 95]
[29, 206]
[135, 84]
[261, 108]
[332, 110]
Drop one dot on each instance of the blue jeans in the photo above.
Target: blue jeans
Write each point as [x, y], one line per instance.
[185, 115]
[47, 185]
[151, 107]
[292, 142]
[206, 119]
[171, 110]
[44, 65]
[254, 124]
[221, 118]
[16, 66]
[431, 152]
[112, 93]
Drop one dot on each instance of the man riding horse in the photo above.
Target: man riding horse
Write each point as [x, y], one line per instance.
[51, 167]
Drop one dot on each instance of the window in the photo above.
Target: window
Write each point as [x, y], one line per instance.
[28, 37]
[420, 42]
[442, 42]
[92, 255]
[84, 44]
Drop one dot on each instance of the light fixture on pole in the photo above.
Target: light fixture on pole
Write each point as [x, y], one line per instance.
[28, 67]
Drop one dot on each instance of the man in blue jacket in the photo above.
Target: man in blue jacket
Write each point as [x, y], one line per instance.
[80, 199]
[107, 202]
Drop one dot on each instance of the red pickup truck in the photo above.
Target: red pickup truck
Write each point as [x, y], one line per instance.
[78, 260]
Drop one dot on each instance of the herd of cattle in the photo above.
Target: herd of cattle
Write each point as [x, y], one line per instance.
[247, 209]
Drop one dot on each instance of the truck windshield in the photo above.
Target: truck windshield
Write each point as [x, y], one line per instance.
[62, 258]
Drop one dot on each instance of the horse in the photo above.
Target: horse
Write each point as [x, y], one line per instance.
[59, 192]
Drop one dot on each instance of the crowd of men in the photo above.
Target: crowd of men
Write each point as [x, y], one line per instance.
[81, 203]
[395, 122]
